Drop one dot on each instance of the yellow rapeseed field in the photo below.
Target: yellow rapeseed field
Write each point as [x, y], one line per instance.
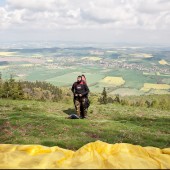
[144, 55]
[37, 56]
[27, 65]
[7, 54]
[147, 55]
[3, 67]
[145, 73]
[148, 86]
[50, 60]
[92, 58]
[163, 62]
[117, 81]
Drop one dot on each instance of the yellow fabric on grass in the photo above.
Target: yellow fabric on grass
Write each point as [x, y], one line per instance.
[93, 155]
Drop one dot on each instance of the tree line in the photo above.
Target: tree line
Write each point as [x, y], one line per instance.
[38, 90]
[149, 101]
[43, 91]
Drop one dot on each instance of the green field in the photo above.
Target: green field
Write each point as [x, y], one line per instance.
[33, 122]
[135, 66]
[66, 77]
[70, 78]
[134, 79]
[127, 92]
[43, 74]
[166, 81]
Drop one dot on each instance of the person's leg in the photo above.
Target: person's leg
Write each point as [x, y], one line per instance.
[81, 111]
[77, 106]
[84, 107]
[74, 102]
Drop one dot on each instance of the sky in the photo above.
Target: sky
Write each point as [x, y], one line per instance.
[104, 21]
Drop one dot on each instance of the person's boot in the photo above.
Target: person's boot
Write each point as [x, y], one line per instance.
[81, 112]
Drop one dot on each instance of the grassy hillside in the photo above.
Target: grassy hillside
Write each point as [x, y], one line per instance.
[34, 122]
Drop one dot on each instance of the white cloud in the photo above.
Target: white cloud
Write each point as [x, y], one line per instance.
[89, 14]
[37, 5]
[4, 19]
[151, 7]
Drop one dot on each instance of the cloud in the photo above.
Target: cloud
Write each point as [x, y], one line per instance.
[90, 13]
[78, 15]
[4, 19]
[37, 5]
[152, 7]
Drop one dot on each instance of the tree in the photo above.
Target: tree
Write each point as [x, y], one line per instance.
[103, 98]
[117, 98]
[20, 91]
[110, 100]
[6, 89]
[1, 85]
[149, 103]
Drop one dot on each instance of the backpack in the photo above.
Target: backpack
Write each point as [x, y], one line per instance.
[73, 116]
[87, 102]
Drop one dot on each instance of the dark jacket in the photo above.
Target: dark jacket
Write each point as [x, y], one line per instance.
[80, 88]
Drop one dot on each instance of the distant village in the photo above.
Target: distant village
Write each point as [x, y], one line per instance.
[65, 62]
[134, 66]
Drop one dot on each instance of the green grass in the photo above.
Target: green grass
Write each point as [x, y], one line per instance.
[70, 78]
[33, 122]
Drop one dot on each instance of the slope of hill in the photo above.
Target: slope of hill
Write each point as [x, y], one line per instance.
[35, 122]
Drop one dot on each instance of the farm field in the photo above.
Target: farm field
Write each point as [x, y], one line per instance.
[115, 69]
[71, 77]
[92, 58]
[6, 54]
[148, 86]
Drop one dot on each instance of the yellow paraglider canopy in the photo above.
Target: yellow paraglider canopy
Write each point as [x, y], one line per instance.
[98, 155]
